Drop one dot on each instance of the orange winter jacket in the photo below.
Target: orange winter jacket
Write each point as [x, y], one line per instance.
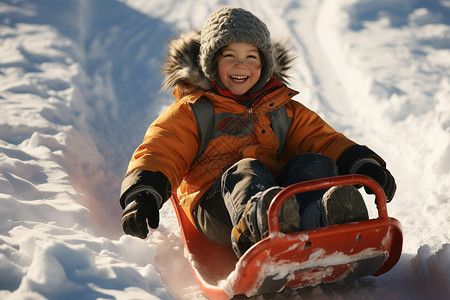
[172, 141]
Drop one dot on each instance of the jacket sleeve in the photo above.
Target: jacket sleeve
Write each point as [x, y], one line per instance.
[311, 134]
[140, 180]
[168, 149]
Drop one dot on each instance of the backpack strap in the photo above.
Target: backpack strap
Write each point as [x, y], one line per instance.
[281, 124]
[204, 117]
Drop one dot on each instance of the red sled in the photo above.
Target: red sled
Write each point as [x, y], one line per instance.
[295, 260]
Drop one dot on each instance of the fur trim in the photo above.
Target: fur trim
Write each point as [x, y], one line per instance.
[283, 61]
[182, 66]
[182, 62]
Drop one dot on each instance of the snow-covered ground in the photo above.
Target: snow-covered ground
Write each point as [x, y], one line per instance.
[79, 84]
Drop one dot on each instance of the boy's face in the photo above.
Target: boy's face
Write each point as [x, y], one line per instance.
[239, 67]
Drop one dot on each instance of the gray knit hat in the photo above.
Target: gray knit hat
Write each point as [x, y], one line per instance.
[234, 25]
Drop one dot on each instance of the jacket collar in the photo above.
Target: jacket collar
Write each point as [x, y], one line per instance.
[249, 100]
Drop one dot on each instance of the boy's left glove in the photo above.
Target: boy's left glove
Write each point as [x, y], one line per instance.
[142, 208]
[380, 175]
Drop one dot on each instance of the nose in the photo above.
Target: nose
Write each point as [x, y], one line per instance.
[240, 63]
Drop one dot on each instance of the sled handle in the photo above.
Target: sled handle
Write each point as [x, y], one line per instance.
[318, 184]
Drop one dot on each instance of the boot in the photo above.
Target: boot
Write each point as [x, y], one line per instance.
[253, 225]
[343, 204]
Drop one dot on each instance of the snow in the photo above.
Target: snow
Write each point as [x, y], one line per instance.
[79, 84]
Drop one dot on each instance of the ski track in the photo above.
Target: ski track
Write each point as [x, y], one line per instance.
[80, 86]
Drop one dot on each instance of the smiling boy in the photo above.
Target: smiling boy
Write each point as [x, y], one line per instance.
[261, 140]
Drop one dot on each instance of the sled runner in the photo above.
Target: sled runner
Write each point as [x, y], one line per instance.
[289, 261]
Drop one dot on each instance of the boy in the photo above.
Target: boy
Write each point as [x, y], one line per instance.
[259, 140]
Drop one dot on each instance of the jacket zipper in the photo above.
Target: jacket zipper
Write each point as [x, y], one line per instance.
[250, 113]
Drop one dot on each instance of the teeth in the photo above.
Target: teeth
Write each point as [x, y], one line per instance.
[239, 78]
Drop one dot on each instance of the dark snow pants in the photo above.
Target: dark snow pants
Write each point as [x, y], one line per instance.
[222, 206]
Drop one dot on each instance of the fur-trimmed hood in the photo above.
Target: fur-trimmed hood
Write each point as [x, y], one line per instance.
[182, 67]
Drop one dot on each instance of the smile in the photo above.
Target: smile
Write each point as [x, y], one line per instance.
[237, 78]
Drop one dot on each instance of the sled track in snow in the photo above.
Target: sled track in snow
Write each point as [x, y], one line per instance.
[80, 84]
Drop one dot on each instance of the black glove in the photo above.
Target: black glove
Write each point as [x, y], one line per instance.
[380, 175]
[141, 207]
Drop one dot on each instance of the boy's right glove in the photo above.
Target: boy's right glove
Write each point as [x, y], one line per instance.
[142, 208]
